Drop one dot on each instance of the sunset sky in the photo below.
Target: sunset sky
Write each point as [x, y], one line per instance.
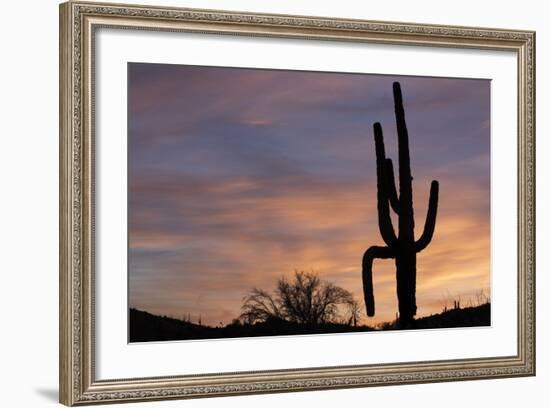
[240, 176]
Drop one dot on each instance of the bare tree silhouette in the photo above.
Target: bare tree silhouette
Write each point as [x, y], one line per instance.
[354, 311]
[402, 246]
[304, 300]
[260, 306]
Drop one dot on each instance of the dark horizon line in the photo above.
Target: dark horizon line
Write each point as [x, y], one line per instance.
[443, 310]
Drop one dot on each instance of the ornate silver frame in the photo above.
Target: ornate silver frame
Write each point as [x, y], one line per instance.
[78, 21]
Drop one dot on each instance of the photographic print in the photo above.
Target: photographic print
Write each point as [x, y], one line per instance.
[270, 202]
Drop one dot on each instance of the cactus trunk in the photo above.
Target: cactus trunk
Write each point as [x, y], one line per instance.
[405, 266]
[401, 246]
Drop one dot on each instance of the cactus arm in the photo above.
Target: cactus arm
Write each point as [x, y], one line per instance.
[429, 225]
[390, 184]
[370, 255]
[384, 220]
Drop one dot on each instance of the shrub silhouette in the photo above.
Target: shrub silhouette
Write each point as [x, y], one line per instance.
[401, 246]
[305, 300]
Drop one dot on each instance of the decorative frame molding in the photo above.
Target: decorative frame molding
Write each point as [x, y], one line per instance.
[78, 20]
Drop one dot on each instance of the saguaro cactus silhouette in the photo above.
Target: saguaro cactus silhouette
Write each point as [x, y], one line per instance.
[401, 246]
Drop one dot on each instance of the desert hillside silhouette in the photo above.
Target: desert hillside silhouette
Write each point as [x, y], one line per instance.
[305, 304]
[145, 327]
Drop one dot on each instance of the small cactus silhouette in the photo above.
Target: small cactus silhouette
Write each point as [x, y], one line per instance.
[401, 246]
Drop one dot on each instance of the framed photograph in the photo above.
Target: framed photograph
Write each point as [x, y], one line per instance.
[258, 203]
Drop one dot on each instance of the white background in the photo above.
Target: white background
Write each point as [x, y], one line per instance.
[28, 220]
